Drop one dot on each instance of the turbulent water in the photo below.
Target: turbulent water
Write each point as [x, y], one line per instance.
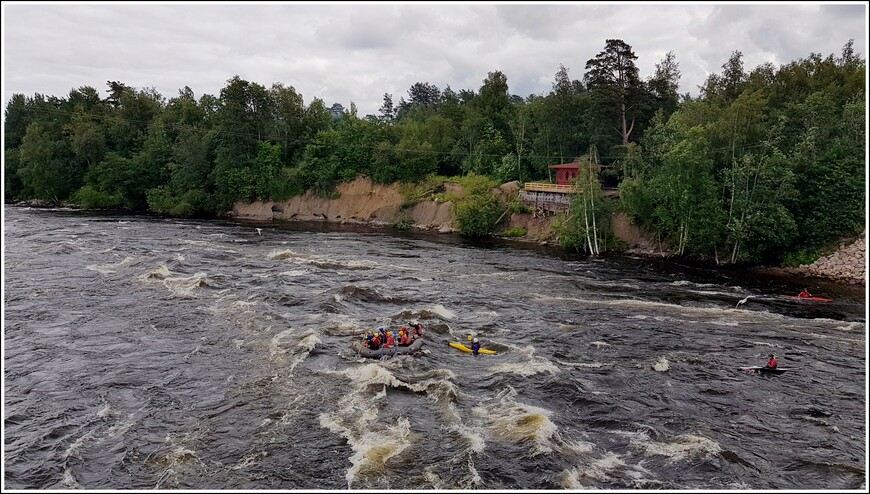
[146, 353]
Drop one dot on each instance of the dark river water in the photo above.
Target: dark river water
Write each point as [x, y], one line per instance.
[149, 353]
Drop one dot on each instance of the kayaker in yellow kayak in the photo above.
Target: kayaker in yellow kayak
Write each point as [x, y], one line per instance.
[475, 346]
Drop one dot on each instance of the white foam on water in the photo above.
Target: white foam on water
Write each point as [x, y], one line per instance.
[851, 326]
[475, 440]
[371, 448]
[75, 446]
[297, 346]
[491, 314]
[107, 269]
[309, 342]
[681, 447]
[442, 312]
[433, 478]
[122, 428]
[185, 287]
[195, 242]
[107, 412]
[593, 365]
[282, 341]
[283, 254]
[652, 305]
[473, 478]
[293, 272]
[599, 344]
[661, 365]
[249, 459]
[537, 365]
[159, 273]
[603, 469]
[724, 322]
[519, 422]
[69, 480]
[692, 283]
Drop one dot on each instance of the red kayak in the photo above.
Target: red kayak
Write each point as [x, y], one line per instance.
[814, 299]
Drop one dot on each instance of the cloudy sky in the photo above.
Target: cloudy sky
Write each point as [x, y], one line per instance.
[357, 51]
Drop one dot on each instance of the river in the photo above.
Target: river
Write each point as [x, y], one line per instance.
[154, 353]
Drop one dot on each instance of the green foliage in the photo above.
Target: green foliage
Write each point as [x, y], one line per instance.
[286, 184]
[44, 166]
[514, 232]
[588, 221]
[404, 222]
[479, 209]
[809, 256]
[193, 203]
[518, 206]
[768, 164]
[90, 198]
[13, 186]
[473, 184]
[476, 215]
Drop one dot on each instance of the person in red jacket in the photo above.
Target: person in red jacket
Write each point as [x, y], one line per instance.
[391, 341]
[771, 362]
[375, 343]
[418, 330]
[404, 339]
[804, 294]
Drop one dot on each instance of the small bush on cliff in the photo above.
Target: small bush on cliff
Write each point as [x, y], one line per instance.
[478, 210]
[517, 206]
[413, 193]
[403, 222]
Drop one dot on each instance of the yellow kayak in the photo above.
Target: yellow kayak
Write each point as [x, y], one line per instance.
[460, 346]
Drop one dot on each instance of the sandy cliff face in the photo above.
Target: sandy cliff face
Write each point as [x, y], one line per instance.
[360, 201]
[363, 201]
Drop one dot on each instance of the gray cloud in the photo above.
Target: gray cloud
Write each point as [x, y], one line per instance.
[358, 52]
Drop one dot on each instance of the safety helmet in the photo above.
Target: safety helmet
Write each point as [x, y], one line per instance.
[369, 331]
[474, 340]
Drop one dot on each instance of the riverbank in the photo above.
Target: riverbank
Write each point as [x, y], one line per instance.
[847, 265]
[365, 202]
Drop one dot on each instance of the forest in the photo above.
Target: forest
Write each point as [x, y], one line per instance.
[763, 165]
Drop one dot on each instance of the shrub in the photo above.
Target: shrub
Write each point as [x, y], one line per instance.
[796, 259]
[476, 215]
[90, 198]
[515, 232]
[403, 222]
[517, 206]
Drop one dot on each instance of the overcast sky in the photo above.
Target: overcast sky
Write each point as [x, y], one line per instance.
[358, 51]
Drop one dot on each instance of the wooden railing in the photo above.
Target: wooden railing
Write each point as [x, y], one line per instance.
[542, 187]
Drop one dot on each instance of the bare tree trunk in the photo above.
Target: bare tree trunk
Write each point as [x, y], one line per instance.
[586, 220]
[592, 179]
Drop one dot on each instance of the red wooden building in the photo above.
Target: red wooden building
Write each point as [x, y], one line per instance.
[565, 172]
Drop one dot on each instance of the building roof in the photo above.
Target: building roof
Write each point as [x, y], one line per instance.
[566, 165]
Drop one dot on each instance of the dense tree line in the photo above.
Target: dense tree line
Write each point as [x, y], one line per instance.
[760, 164]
